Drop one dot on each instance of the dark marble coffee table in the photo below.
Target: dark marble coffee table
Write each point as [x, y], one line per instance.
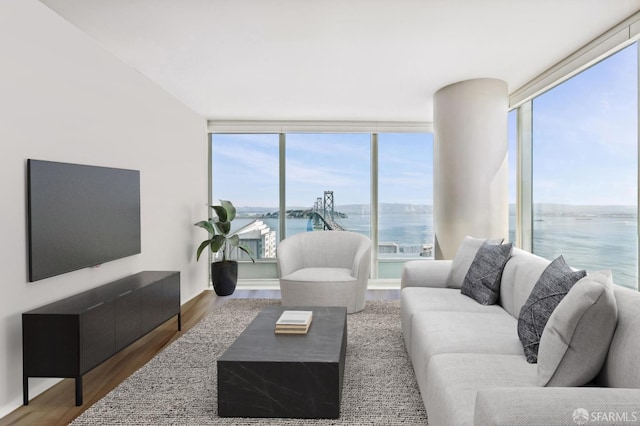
[263, 374]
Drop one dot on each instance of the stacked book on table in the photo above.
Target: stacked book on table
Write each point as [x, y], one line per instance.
[294, 322]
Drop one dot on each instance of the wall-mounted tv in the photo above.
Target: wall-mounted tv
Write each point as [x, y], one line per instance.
[80, 216]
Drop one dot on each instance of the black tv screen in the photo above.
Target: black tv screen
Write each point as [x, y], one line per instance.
[80, 216]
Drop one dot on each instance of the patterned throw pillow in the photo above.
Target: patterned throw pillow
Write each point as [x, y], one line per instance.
[482, 282]
[554, 283]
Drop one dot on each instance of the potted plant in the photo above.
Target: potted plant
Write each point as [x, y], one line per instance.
[224, 274]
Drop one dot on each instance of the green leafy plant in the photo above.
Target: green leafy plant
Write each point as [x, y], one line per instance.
[219, 229]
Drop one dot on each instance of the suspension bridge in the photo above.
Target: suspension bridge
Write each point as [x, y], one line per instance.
[323, 214]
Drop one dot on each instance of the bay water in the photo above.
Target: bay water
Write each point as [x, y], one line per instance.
[587, 241]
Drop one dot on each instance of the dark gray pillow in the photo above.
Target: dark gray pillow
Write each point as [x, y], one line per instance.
[554, 283]
[482, 282]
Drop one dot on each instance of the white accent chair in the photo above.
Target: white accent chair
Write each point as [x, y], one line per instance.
[324, 268]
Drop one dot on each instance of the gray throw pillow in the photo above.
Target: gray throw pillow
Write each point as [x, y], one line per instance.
[575, 342]
[482, 282]
[463, 259]
[554, 283]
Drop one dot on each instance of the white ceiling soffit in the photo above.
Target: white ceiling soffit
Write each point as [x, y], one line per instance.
[358, 60]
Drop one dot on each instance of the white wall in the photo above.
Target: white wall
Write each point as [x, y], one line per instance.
[64, 98]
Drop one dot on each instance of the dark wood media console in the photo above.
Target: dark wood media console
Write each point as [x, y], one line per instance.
[69, 337]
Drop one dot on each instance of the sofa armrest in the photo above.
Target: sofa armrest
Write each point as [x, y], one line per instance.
[556, 406]
[425, 273]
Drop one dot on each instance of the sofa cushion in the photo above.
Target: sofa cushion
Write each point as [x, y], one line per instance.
[421, 299]
[463, 259]
[556, 406]
[554, 283]
[576, 339]
[454, 380]
[482, 282]
[439, 332]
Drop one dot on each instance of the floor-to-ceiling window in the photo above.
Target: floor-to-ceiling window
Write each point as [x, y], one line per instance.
[585, 168]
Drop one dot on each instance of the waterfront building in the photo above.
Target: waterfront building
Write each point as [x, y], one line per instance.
[387, 248]
[259, 238]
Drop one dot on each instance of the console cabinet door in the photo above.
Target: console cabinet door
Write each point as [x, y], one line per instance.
[50, 345]
[97, 335]
[150, 307]
[127, 319]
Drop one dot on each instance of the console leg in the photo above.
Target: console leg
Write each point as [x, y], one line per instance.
[79, 391]
[25, 389]
[179, 321]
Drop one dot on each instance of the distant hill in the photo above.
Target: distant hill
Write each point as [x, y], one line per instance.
[387, 208]
[557, 210]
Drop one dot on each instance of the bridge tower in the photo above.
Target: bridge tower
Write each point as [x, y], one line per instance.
[317, 208]
[328, 205]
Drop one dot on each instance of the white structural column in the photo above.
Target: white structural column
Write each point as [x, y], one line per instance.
[470, 163]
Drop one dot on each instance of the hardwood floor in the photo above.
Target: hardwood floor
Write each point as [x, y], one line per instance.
[56, 406]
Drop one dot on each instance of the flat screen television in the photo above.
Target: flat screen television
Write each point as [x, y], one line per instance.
[80, 216]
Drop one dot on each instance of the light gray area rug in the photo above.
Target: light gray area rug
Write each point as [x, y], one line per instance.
[178, 386]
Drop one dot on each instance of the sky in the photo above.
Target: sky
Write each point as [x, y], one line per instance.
[245, 169]
[584, 152]
[248, 166]
[585, 136]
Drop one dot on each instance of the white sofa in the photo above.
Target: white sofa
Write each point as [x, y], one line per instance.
[470, 365]
[325, 268]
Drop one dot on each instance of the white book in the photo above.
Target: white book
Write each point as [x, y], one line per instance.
[301, 318]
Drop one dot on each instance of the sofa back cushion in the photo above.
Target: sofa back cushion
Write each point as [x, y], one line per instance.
[621, 366]
[519, 276]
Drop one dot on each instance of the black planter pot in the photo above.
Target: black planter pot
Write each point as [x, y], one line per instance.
[224, 276]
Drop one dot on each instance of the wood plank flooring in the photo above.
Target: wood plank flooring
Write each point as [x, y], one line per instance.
[56, 406]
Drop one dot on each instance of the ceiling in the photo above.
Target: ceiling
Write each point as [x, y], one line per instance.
[370, 60]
